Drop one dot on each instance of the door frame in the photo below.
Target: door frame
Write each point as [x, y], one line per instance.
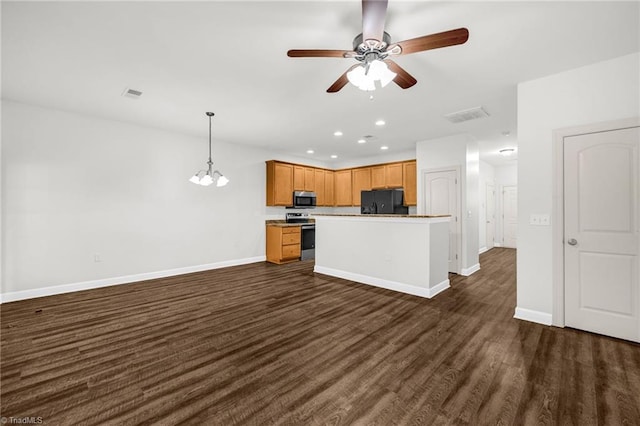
[423, 206]
[557, 205]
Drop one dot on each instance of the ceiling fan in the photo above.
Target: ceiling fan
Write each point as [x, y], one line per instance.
[372, 49]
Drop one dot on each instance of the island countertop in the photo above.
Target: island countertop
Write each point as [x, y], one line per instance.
[417, 216]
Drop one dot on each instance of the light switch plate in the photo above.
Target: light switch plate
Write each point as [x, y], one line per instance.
[534, 219]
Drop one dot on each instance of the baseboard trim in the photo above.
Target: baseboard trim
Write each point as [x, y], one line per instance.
[127, 279]
[389, 285]
[482, 250]
[470, 270]
[497, 244]
[533, 316]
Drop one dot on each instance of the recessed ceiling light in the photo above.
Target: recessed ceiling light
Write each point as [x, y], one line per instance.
[309, 151]
[337, 133]
[380, 123]
[362, 141]
[384, 147]
[505, 152]
[334, 156]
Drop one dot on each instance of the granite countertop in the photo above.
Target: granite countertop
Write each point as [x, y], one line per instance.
[283, 223]
[421, 216]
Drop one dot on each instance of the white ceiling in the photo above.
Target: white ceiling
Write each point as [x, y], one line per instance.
[230, 58]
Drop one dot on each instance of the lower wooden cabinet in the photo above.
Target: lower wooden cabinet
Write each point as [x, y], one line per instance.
[283, 243]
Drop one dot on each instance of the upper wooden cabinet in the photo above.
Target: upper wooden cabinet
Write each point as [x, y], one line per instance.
[378, 180]
[320, 187]
[279, 184]
[343, 195]
[361, 181]
[304, 178]
[393, 175]
[340, 187]
[298, 178]
[409, 183]
[329, 188]
[387, 176]
[309, 179]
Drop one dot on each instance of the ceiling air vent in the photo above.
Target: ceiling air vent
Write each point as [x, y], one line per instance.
[466, 115]
[131, 93]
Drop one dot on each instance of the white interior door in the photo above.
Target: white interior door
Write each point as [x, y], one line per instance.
[601, 232]
[510, 216]
[490, 214]
[441, 197]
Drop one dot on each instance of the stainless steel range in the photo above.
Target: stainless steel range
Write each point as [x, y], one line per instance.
[308, 234]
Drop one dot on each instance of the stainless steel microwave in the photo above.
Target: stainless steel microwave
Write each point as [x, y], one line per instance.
[304, 200]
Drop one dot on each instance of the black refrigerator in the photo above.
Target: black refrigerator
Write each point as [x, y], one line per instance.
[382, 201]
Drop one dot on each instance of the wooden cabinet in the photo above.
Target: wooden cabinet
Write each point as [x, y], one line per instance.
[377, 177]
[342, 193]
[283, 243]
[329, 188]
[387, 176]
[361, 181]
[393, 175]
[304, 178]
[279, 184]
[409, 183]
[320, 187]
[298, 178]
[341, 187]
[309, 179]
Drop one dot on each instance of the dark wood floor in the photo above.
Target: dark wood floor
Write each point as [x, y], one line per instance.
[267, 344]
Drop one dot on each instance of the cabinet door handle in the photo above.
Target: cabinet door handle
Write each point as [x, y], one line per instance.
[572, 242]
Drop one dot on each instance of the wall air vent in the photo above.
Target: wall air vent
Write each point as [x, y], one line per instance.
[466, 115]
[131, 93]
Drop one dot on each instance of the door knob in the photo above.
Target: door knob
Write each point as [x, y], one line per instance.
[572, 242]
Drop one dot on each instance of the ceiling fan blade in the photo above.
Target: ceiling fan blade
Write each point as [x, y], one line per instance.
[341, 81]
[373, 14]
[433, 41]
[318, 53]
[403, 78]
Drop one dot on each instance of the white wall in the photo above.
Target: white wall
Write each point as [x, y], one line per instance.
[604, 91]
[74, 187]
[388, 157]
[462, 151]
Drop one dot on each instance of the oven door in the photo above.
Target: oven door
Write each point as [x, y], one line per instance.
[308, 242]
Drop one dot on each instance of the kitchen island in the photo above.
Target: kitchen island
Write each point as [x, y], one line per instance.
[406, 253]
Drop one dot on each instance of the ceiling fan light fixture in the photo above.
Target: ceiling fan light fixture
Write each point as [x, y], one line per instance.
[365, 76]
[378, 70]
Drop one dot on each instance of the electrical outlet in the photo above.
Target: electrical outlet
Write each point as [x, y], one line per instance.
[534, 219]
[545, 220]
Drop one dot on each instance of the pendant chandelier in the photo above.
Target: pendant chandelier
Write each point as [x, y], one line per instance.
[209, 176]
